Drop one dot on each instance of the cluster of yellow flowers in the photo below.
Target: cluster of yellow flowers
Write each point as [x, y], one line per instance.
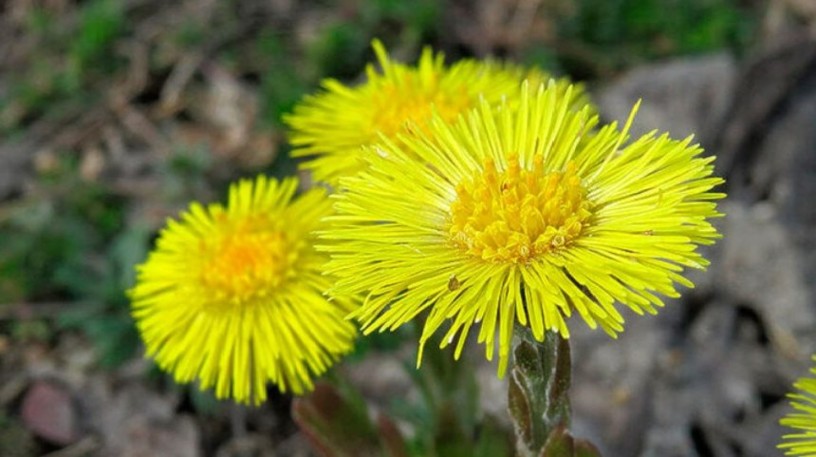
[480, 193]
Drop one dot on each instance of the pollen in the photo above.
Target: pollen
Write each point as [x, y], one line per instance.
[251, 261]
[517, 215]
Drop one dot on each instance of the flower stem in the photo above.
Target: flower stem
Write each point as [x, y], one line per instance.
[538, 397]
[238, 420]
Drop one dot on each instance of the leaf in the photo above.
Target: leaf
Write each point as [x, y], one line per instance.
[493, 440]
[584, 448]
[203, 401]
[391, 437]
[337, 424]
[559, 444]
[128, 249]
[450, 397]
[519, 407]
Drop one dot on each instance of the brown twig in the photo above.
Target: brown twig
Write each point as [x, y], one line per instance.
[30, 311]
[85, 446]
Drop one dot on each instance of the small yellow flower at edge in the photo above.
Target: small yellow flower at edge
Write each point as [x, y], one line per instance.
[233, 296]
[520, 216]
[802, 420]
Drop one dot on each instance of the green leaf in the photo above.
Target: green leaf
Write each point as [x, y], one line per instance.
[114, 336]
[450, 396]
[128, 249]
[493, 440]
[204, 401]
[100, 23]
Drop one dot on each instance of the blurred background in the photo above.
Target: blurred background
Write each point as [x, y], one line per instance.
[114, 115]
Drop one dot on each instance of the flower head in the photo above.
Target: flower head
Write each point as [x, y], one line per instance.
[803, 420]
[520, 216]
[333, 126]
[233, 296]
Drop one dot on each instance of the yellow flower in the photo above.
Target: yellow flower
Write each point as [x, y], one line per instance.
[233, 296]
[332, 126]
[803, 421]
[520, 216]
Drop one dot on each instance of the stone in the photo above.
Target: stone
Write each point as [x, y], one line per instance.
[682, 97]
[48, 412]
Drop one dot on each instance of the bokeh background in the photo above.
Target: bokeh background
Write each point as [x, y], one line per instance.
[114, 115]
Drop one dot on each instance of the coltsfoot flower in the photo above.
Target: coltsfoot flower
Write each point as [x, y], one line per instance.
[232, 296]
[332, 127]
[802, 420]
[520, 216]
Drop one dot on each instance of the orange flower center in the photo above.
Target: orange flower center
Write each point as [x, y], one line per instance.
[517, 215]
[248, 262]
